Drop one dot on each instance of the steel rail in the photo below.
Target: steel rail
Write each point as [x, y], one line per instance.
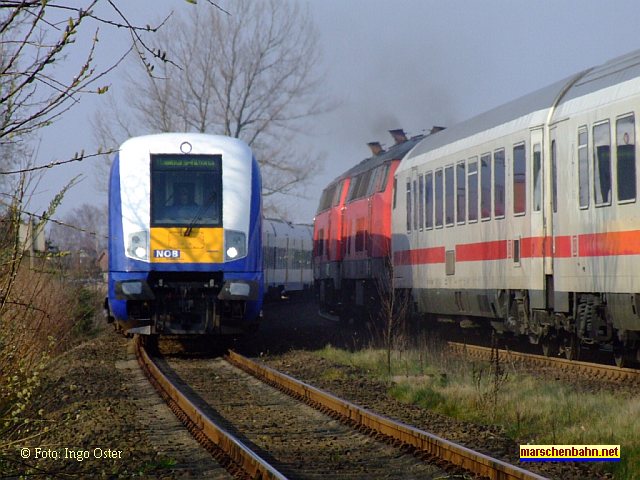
[247, 460]
[596, 369]
[477, 463]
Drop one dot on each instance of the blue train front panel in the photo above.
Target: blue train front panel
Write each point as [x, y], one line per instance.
[185, 251]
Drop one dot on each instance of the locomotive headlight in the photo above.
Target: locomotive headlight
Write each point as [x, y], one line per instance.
[137, 246]
[234, 245]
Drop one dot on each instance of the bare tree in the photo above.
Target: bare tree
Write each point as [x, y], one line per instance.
[35, 36]
[251, 74]
[91, 238]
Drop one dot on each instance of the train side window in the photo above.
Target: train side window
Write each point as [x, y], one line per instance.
[338, 194]
[626, 157]
[395, 191]
[498, 183]
[602, 164]
[363, 184]
[472, 187]
[439, 200]
[353, 188]
[374, 181]
[449, 192]
[461, 192]
[409, 205]
[384, 177]
[415, 204]
[519, 180]
[429, 200]
[537, 177]
[583, 167]
[421, 202]
[485, 186]
[554, 177]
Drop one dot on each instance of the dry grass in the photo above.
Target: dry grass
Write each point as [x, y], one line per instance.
[531, 410]
[39, 318]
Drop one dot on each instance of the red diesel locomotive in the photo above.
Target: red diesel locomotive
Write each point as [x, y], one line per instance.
[352, 231]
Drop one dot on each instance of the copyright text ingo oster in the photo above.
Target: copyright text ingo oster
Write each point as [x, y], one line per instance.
[66, 453]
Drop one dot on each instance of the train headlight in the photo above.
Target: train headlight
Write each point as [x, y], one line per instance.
[234, 245]
[137, 246]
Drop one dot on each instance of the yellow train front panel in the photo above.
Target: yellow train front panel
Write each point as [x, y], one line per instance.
[187, 245]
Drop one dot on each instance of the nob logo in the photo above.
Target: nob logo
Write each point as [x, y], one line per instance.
[166, 253]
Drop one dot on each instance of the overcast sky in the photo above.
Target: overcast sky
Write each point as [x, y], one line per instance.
[392, 64]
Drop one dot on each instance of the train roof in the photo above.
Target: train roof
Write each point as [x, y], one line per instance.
[279, 227]
[395, 152]
[535, 106]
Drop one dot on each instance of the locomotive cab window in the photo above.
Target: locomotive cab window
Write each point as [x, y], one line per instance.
[186, 190]
[626, 157]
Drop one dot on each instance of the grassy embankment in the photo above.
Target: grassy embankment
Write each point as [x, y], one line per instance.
[531, 410]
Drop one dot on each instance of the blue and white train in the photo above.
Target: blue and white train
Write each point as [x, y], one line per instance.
[286, 251]
[185, 235]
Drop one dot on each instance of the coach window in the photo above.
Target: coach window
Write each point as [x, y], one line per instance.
[421, 202]
[626, 155]
[461, 192]
[554, 177]
[498, 183]
[602, 164]
[439, 199]
[415, 204]
[409, 205]
[485, 186]
[537, 177]
[519, 180]
[428, 178]
[583, 167]
[449, 193]
[473, 189]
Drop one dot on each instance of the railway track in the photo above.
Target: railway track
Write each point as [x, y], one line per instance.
[594, 370]
[294, 443]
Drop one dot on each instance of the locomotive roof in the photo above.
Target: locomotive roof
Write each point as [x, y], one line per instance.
[614, 72]
[394, 152]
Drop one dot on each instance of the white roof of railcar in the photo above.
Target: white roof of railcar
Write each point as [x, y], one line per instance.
[529, 110]
[282, 228]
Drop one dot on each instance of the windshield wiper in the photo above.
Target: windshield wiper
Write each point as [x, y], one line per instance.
[201, 210]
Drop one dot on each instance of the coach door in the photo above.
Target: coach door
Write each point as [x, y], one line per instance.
[537, 244]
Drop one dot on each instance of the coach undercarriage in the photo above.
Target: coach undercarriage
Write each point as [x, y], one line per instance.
[185, 304]
[607, 321]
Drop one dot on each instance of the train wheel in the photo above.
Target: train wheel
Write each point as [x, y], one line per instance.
[571, 347]
[619, 355]
[150, 343]
[549, 345]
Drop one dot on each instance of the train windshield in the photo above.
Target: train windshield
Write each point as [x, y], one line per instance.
[186, 190]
